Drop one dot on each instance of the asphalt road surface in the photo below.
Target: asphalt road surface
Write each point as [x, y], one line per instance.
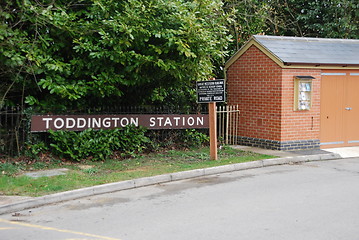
[315, 200]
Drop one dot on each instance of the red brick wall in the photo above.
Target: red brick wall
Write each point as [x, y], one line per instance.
[300, 125]
[265, 95]
[254, 83]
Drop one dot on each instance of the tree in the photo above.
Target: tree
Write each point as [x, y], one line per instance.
[315, 18]
[302, 18]
[63, 53]
[247, 17]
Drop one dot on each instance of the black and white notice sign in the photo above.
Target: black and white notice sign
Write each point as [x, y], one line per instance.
[211, 91]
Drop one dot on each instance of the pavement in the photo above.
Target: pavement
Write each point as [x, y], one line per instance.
[12, 204]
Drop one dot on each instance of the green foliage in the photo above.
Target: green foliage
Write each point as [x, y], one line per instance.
[62, 54]
[33, 150]
[9, 169]
[98, 144]
[176, 139]
[91, 171]
[39, 165]
[248, 17]
[325, 18]
[302, 18]
[74, 51]
[193, 138]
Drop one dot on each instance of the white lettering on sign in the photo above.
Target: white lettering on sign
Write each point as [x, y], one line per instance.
[191, 121]
[115, 121]
[205, 98]
[176, 121]
[79, 123]
[47, 120]
[168, 122]
[160, 121]
[82, 122]
[95, 123]
[70, 123]
[152, 121]
[107, 122]
[200, 121]
[56, 123]
[124, 122]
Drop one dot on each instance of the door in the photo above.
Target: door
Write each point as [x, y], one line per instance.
[351, 112]
[339, 109]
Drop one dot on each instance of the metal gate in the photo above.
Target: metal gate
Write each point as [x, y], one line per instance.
[228, 124]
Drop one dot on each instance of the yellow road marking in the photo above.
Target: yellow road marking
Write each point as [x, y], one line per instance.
[6, 228]
[56, 229]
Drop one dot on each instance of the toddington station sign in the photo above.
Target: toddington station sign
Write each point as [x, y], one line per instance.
[81, 122]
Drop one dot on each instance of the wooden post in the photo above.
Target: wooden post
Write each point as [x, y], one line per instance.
[213, 130]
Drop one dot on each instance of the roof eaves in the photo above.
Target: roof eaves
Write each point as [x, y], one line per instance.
[269, 53]
[315, 64]
[253, 41]
[239, 53]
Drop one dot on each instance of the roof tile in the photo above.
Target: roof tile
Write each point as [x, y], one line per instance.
[292, 50]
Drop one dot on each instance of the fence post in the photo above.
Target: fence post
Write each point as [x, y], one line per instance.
[213, 130]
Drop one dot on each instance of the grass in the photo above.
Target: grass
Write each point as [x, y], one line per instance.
[85, 174]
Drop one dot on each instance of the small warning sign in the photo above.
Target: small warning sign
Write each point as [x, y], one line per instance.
[211, 91]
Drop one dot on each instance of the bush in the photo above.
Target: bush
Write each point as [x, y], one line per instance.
[176, 139]
[9, 169]
[34, 149]
[193, 138]
[98, 144]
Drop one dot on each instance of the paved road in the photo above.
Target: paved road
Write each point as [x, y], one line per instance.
[317, 200]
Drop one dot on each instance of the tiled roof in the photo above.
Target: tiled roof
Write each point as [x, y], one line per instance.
[311, 50]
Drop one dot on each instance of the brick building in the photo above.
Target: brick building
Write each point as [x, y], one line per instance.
[296, 93]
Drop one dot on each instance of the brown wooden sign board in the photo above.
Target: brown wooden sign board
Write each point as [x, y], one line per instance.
[43, 123]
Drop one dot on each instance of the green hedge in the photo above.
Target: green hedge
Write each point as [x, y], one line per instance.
[98, 144]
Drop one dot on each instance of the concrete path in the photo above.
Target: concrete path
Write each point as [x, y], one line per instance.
[345, 152]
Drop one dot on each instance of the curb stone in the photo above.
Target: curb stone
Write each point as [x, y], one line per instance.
[187, 174]
[146, 181]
